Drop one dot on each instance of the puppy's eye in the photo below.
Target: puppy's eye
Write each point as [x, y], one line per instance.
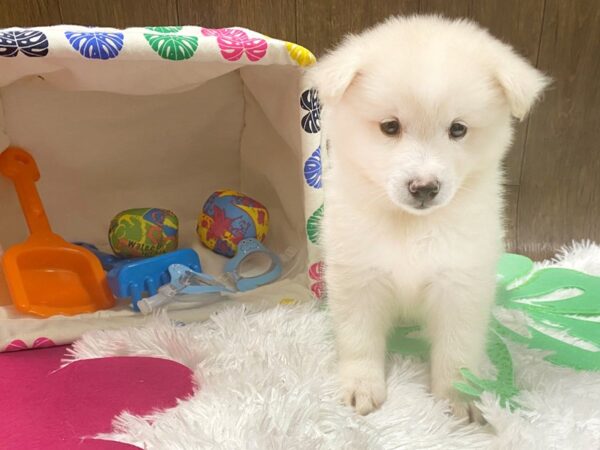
[457, 130]
[390, 127]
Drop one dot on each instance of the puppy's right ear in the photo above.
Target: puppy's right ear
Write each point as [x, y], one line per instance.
[333, 74]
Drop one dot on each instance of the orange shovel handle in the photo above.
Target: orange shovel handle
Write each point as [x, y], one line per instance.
[20, 167]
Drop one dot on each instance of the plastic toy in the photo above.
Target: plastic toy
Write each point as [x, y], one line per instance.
[186, 281]
[130, 278]
[46, 275]
[183, 278]
[228, 217]
[245, 282]
[564, 328]
[143, 232]
[107, 260]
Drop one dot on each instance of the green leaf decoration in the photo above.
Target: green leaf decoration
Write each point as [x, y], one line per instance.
[400, 342]
[503, 386]
[173, 46]
[547, 281]
[567, 329]
[313, 225]
[511, 267]
[165, 29]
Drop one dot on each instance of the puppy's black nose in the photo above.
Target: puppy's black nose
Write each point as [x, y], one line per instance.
[424, 191]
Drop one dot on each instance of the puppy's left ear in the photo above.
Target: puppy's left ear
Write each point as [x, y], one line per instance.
[333, 74]
[521, 82]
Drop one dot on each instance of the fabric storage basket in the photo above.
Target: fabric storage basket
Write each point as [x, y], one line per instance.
[159, 117]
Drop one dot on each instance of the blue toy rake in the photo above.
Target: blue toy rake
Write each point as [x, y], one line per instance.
[132, 278]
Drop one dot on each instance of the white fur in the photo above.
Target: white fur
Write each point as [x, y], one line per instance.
[267, 380]
[386, 255]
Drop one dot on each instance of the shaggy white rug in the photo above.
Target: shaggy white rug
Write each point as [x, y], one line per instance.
[268, 381]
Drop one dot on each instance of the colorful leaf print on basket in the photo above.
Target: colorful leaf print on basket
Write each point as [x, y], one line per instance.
[32, 43]
[309, 101]
[18, 344]
[175, 29]
[301, 55]
[313, 225]
[172, 46]
[315, 272]
[96, 44]
[232, 32]
[234, 43]
[313, 169]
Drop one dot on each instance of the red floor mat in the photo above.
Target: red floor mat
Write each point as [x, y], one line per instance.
[46, 408]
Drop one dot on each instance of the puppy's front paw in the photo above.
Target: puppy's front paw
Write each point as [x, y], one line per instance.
[364, 393]
[466, 410]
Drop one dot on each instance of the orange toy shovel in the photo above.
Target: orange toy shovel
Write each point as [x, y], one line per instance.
[45, 274]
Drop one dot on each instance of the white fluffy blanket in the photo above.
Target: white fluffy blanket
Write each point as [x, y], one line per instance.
[268, 381]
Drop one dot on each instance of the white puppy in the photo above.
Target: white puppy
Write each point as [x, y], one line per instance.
[417, 112]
